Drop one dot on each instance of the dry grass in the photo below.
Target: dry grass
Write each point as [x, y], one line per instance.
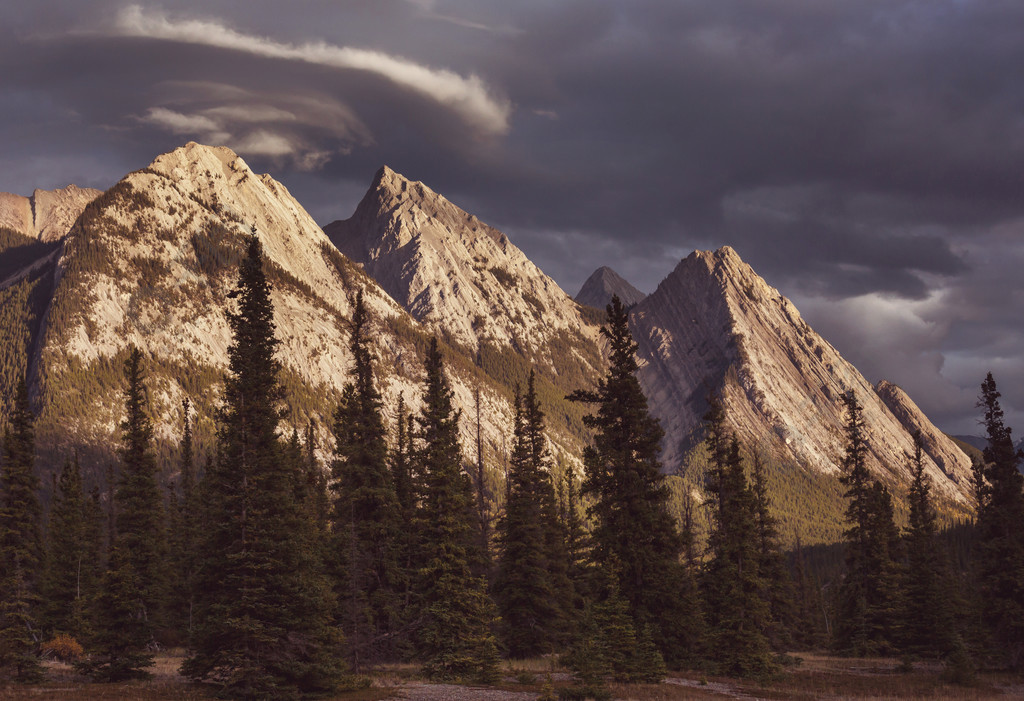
[818, 677]
[165, 685]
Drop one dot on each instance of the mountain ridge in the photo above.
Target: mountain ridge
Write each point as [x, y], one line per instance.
[150, 262]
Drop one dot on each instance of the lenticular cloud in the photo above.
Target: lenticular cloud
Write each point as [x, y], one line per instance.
[468, 96]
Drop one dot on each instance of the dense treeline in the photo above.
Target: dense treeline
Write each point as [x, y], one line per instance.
[284, 577]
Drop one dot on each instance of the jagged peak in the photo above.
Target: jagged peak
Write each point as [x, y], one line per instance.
[389, 184]
[602, 284]
[193, 158]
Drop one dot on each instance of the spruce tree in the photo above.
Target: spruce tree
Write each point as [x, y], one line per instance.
[316, 482]
[869, 594]
[735, 603]
[577, 543]
[928, 624]
[182, 538]
[20, 545]
[366, 518]
[72, 557]
[531, 587]
[262, 605]
[132, 593]
[778, 583]
[1001, 547]
[629, 497]
[454, 639]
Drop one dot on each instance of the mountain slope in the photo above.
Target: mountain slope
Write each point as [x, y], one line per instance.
[150, 263]
[451, 271]
[713, 325]
[603, 284]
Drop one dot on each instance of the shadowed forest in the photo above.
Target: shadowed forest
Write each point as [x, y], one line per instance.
[263, 573]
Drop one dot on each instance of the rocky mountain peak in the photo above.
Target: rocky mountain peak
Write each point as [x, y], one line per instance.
[450, 270]
[715, 326]
[603, 284]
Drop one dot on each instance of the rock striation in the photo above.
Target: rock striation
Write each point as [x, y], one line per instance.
[603, 284]
[150, 263]
[451, 271]
[715, 326]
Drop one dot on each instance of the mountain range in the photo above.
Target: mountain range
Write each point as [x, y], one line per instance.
[150, 263]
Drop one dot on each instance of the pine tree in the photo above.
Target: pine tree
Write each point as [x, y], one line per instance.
[366, 519]
[735, 603]
[455, 612]
[623, 477]
[20, 544]
[262, 606]
[928, 625]
[132, 593]
[1001, 547]
[72, 561]
[608, 644]
[869, 594]
[531, 588]
[316, 482]
[183, 537]
[771, 563]
[577, 543]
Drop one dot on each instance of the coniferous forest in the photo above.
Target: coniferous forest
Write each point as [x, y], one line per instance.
[282, 575]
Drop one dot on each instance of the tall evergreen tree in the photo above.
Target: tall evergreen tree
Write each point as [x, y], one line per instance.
[366, 518]
[139, 514]
[868, 596]
[928, 623]
[577, 545]
[183, 536]
[132, 593]
[262, 606]
[316, 481]
[531, 587]
[735, 602]
[1001, 535]
[623, 478]
[20, 544]
[455, 613]
[779, 591]
[72, 571]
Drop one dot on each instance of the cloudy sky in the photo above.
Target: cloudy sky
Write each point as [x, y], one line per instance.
[866, 157]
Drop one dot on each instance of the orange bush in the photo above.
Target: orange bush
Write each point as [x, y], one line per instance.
[63, 647]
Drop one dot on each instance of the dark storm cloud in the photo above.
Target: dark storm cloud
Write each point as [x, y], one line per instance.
[865, 157]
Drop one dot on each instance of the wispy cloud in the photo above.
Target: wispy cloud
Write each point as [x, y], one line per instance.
[468, 96]
[305, 130]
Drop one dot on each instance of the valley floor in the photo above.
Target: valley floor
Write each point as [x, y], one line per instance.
[817, 677]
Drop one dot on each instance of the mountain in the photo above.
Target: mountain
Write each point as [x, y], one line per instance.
[46, 215]
[454, 273]
[150, 263]
[714, 326]
[603, 284]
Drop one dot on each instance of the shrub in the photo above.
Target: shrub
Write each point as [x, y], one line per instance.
[62, 647]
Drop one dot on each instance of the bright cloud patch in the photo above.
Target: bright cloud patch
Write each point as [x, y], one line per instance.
[466, 95]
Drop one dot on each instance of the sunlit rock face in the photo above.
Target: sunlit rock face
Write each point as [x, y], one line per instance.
[46, 215]
[715, 326]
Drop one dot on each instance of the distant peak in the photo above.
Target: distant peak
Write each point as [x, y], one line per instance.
[603, 284]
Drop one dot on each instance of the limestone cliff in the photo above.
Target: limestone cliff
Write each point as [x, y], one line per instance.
[713, 325]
